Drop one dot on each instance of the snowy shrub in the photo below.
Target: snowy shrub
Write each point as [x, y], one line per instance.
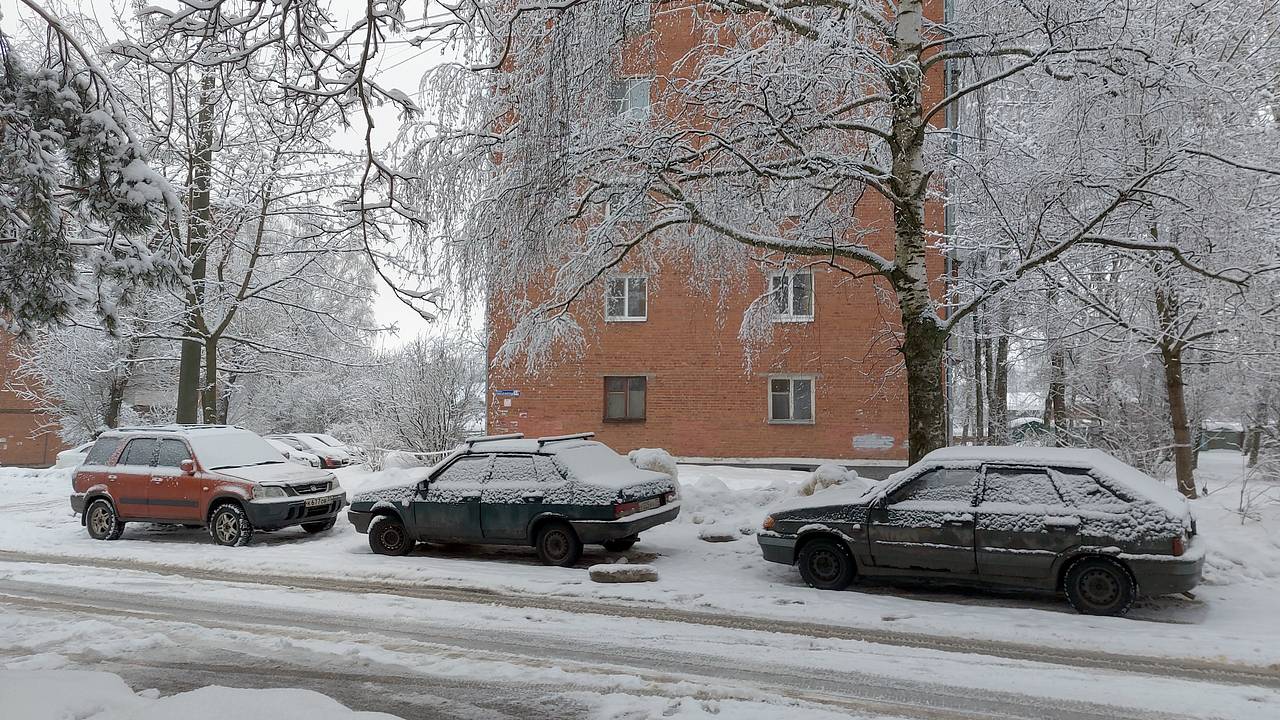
[830, 475]
[655, 459]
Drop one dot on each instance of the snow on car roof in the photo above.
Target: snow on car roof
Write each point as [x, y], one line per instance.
[1125, 476]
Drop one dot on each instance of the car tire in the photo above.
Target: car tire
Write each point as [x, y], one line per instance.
[319, 527]
[1097, 586]
[230, 526]
[388, 536]
[621, 544]
[558, 545]
[102, 522]
[826, 564]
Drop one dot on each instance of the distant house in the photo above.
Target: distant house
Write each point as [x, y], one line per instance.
[1220, 435]
[23, 439]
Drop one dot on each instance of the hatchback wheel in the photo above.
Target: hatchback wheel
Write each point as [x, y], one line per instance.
[558, 545]
[102, 521]
[230, 526]
[387, 536]
[826, 564]
[1100, 587]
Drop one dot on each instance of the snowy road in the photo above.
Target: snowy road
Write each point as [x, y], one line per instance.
[426, 658]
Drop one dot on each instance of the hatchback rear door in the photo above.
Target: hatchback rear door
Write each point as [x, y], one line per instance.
[130, 478]
[1023, 523]
[927, 523]
[450, 507]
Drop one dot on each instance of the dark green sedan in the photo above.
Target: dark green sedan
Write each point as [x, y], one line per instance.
[554, 493]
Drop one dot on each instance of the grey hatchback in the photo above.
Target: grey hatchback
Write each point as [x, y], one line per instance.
[555, 493]
[1079, 521]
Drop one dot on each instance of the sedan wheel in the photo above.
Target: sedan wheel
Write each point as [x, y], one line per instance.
[387, 536]
[825, 564]
[1100, 587]
[558, 545]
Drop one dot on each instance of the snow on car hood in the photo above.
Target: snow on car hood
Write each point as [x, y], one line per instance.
[282, 472]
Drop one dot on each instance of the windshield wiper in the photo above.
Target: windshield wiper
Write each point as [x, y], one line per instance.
[264, 462]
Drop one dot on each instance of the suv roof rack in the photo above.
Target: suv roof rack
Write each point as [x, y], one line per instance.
[174, 427]
[558, 438]
[492, 438]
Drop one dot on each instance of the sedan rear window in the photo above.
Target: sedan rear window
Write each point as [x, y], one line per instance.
[589, 459]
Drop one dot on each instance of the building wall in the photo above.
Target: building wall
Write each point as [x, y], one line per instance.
[706, 397]
[22, 442]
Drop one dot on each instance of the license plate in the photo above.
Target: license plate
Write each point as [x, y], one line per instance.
[317, 502]
[649, 504]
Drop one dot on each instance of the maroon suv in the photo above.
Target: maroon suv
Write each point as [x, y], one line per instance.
[221, 477]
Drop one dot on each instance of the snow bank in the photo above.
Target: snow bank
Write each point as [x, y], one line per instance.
[622, 573]
[830, 475]
[88, 695]
[655, 459]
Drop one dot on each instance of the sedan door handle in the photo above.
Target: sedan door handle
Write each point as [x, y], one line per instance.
[470, 498]
[958, 520]
[532, 498]
[1062, 523]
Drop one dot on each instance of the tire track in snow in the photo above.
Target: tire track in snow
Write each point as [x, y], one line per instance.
[1183, 668]
[670, 673]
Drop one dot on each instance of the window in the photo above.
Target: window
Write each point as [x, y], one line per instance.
[792, 292]
[466, 470]
[636, 19]
[624, 398]
[626, 299]
[517, 470]
[629, 97]
[1020, 486]
[939, 485]
[102, 451]
[1080, 489]
[172, 453]
[791, 400]
[139, 452]
[547, 471]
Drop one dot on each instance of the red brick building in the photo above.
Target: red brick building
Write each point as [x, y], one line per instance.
[664, 365]
[23, 442]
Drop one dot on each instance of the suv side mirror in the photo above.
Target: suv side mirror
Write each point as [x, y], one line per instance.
[188, 466]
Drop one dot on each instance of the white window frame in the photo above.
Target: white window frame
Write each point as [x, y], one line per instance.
[789, 288]
[626, 299]
[623, 91]
[791, 399]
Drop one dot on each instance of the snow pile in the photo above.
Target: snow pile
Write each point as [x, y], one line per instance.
[87, 695]
[713, 534]
[399, 459]
[655, 459]
[622, 573]
[830, 475]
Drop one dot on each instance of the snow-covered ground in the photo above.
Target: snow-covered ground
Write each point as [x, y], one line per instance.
[1231, 619]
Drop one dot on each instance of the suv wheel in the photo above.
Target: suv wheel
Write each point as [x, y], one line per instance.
[319, 527]
[102, 521]
[558, 544]
[621, 544]
[825, 564]
[1100, 587]
[230, 526]
[387, 536]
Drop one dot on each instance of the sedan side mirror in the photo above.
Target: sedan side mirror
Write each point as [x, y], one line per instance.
[188, 466]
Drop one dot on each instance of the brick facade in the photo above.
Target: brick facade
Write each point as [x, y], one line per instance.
[704, 399]
[22, 442]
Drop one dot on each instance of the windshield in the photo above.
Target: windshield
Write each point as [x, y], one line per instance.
[329, 440]
[233, 449]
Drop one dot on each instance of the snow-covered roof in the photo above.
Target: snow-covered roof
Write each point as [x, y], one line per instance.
[1106, 466]
[1019, 422]
[1222, 425]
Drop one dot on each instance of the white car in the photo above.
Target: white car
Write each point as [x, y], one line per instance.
[302, 457]
[357, 455]
[330, 456]
[73, 457]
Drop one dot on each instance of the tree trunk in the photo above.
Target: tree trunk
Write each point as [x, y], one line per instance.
[980, 415]
[1175, 390]
[209, 393]
[199, 221]
[1057, 418]
[923, 348]
[998, 400]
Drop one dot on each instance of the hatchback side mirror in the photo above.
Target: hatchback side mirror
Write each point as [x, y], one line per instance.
[188, 466]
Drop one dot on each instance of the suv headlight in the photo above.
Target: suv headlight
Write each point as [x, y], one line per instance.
[269, 491]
